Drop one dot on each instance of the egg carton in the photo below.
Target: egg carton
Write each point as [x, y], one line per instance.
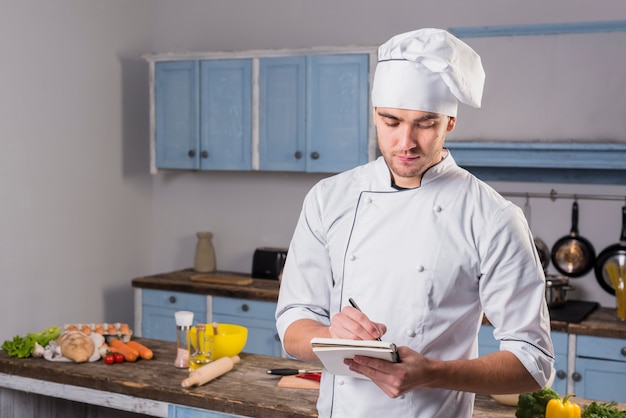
[110, 331]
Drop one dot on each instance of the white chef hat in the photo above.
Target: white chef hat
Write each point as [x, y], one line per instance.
[428, 70]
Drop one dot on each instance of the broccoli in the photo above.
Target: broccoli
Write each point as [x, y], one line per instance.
[533, 404]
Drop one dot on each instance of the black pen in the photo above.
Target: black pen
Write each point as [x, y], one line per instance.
[355, 306]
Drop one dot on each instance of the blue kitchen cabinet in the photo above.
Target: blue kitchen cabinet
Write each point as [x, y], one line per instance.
[226, 115]
[487, 344]
[159, 306]
[158, 322]
[203, 114]
[257, 316]
[313, 112]
[176, 106]
[176, 411]
[559, 340]
[600, 368]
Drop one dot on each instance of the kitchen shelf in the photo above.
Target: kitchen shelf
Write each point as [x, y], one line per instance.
[592, 163]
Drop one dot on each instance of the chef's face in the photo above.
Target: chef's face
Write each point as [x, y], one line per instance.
[410, 141]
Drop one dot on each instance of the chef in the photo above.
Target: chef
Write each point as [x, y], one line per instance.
[424, 247]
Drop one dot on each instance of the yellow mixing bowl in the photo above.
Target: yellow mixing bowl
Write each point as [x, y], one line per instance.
[229, 340]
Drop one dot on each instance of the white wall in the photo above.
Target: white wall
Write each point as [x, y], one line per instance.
[80, 216]
[75, 221]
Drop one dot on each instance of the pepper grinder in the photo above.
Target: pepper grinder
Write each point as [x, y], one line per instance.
[184, 319]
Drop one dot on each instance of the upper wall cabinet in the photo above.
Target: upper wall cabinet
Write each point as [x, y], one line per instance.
[176, 106]
[313, 112]
[303, 110]
[203, 115]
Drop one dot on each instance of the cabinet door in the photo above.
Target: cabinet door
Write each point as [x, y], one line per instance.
[559, 340]
[337, 112]
[600, 368]
[158, 308]
[174, 411]
[176, 115]
[282, 113]
[602, 380]
[486, 343]
[226, 115]
[257, 316]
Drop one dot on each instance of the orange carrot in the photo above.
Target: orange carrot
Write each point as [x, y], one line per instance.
[144, 352]
[130, 354]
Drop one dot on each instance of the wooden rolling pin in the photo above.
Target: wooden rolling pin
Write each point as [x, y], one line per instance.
[209, 371]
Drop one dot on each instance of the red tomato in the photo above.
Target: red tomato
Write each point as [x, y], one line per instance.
[109, 359]
[119, 357]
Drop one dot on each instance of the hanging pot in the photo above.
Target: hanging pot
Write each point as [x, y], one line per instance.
[556, 290]
[611, 262]
[573, 255]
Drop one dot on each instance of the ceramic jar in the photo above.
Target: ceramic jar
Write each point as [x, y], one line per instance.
[205, 253]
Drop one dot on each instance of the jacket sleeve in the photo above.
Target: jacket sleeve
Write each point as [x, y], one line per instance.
[512, 291]
[307, 277]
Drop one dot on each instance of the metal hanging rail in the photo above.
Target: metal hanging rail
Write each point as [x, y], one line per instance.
[553, 195]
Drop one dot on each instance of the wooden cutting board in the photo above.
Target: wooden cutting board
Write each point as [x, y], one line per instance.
[297, 382]
[223, 278]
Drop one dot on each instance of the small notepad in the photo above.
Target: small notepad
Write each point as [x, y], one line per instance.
[332, 352]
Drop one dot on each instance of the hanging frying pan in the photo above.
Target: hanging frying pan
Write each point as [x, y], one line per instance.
[611, 262]
[573, 255]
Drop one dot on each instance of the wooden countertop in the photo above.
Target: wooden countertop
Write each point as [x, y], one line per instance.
[600, 323]
[246, 390]
[180, 281]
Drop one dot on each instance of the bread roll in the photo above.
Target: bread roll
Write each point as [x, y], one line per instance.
[75, 346]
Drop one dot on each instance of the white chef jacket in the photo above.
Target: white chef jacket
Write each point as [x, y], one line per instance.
[426, 262]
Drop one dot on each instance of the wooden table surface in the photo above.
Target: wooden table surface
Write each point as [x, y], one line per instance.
[246, 390]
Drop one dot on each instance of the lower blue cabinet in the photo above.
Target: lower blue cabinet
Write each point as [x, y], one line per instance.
[158, 322]
[600, 368]
[559, 340]
[159, 306]
[257, 316]
[175, 411]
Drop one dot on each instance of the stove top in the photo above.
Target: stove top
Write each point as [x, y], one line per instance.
[573, 311]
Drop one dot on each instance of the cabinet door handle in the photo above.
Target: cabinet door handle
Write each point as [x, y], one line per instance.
[315, 155]
[623, 351]
[245, 307]
[172, 299]
[276, 337]
[576, 377]
[204, 154]
[298, 155]
[191, 153]
[561, 374]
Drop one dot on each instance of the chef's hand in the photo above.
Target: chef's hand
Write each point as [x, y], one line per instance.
[353, 324]
[394, 379]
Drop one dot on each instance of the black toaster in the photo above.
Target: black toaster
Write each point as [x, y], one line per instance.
[268, 262]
